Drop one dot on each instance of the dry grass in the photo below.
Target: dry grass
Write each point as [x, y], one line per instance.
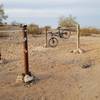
[7, 27]
[89, 31]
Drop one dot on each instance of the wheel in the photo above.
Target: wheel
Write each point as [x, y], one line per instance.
[66, 35]
[53, 42]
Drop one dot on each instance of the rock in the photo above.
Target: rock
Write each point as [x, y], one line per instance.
[28, 78]
[1, 61]
[19, 79]
[86, 65]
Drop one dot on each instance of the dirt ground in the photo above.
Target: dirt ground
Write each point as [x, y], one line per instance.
[60, 72]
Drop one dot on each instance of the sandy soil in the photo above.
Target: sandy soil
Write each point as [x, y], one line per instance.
[60, 72]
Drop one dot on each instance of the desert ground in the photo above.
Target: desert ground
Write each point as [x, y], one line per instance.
[60, 72]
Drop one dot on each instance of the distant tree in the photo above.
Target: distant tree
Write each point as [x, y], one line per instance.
[69, 21]
[2, 14]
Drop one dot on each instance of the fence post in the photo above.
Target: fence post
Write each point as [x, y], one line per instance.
[26, 77]
[78, 36]
[46, 29]
[0, 58]
[0, 55]
[25, 45]
[78, 49]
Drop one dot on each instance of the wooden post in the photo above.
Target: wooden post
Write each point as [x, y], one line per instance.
[25, 45]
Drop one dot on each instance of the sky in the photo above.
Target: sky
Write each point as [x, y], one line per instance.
[48, 12]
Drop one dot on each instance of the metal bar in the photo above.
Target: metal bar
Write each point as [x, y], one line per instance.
[25, 44]
[0, 55]
[46, 36]
[78, 36]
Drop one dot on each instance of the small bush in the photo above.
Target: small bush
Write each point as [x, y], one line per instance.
[34, 30]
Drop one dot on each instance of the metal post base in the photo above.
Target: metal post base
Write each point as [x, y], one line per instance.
[25, 78]
[28, 78]
[45, 46]
[77, 51]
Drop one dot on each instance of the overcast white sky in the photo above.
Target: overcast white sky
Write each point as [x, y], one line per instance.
[47, 12]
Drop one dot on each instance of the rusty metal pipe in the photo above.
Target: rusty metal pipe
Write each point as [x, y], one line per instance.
[46, 36]
[25, 45]
[0, 55]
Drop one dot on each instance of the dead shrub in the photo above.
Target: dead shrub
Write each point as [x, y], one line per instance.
[89, 31]
[34, 30]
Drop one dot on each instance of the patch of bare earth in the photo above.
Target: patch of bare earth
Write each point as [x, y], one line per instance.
[61, 73]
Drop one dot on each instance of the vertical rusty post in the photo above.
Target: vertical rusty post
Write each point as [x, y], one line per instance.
[25, 44]
[1, 60]
[46, 29]
[26, 77]
[0, 55]
[78, 36]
